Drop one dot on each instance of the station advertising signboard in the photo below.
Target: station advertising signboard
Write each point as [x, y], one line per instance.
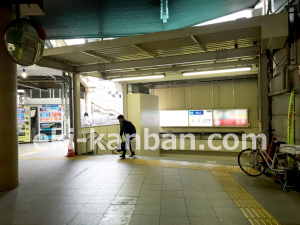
[230, 117]
[174, 118]
[200, 118]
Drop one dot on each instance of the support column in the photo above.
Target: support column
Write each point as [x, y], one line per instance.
[88, 101]
[263, 99]
[77, 113]
[125, 92]
[9, 178]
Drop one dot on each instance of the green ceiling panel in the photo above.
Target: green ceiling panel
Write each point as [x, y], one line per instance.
[115, 18]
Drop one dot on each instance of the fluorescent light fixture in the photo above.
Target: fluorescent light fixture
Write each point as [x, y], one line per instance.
[238, 69]
[138, 78]
[21, 91]
[24, 73]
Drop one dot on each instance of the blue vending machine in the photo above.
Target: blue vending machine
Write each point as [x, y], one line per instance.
[50, 122]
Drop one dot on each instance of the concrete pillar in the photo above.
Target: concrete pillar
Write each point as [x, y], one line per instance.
[77, 113]
[263, 99]
[88, 101]
[20, 100]
[9, 178]
[125, 92]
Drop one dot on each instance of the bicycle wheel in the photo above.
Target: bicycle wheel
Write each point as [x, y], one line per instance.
[286, 169]
[250, 162]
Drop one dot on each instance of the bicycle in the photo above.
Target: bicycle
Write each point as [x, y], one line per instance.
[254, 162]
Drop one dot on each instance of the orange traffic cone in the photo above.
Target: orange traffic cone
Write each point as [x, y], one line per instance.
[70, 149]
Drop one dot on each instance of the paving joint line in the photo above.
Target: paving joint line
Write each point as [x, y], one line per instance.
[254, 212]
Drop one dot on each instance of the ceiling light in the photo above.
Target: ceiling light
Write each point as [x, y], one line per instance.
[24, 73]
[138, 78]
[238, 69]
[21, 91]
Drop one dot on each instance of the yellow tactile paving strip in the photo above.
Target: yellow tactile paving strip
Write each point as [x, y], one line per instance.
[160, 163]
[184, 165]
[252, 209]
[33, 151]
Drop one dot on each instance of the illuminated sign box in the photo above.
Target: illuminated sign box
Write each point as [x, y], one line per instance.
[230, 118]
[204, 118]
[200, 118]
[174, 118]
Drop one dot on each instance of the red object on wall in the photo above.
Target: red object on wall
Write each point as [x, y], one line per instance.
[271, 151]
[231, 122]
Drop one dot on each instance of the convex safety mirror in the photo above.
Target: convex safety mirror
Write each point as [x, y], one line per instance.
[25, 41]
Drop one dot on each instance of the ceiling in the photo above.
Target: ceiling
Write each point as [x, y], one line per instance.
[37, 77]
[37, 71]
[224, 45]
[117, 18]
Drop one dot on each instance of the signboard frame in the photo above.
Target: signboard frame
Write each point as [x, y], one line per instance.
[247, 116]
[203, 111]
[187, 122]
[188, 111]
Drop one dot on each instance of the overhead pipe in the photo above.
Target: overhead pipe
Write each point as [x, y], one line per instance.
[53, 78]
[285, 75]
[40, 89]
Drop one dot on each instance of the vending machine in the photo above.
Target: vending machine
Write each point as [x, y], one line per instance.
[50, 122]
[24, 124]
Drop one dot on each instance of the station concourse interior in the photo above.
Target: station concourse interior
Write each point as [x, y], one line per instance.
[197, 79]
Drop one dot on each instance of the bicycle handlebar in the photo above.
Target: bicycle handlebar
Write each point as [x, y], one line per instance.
[270, 130]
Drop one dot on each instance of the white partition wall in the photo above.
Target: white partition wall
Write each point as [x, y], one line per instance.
[143, 113]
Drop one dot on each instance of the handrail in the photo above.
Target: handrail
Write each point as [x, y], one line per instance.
[105, 143]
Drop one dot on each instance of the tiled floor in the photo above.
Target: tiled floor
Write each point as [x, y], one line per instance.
[285, 206]
[103, 191]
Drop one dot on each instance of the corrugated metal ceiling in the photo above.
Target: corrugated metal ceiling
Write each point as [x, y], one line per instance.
[180, 46]
[116, 18]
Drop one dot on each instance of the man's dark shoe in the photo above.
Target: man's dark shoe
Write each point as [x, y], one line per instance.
[133, 154]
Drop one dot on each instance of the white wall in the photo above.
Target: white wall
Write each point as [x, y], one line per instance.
[217, 95]
[212, 95]
[280, 103]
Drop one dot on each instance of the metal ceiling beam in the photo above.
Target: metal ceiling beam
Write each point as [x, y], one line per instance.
[202, 46]
[27, 86]
[95, 74]
[272, 29]
[195, 82]
[144, 49]
[173, 60]
[182, 68]
[99, 56]
[38, 81]
[44, 62]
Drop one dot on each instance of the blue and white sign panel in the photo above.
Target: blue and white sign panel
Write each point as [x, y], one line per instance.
[50, 105]
[200, 118]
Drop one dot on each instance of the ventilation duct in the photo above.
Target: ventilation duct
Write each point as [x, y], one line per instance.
[140, 89]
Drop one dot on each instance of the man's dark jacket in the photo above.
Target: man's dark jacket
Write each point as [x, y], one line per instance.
[127, 128]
